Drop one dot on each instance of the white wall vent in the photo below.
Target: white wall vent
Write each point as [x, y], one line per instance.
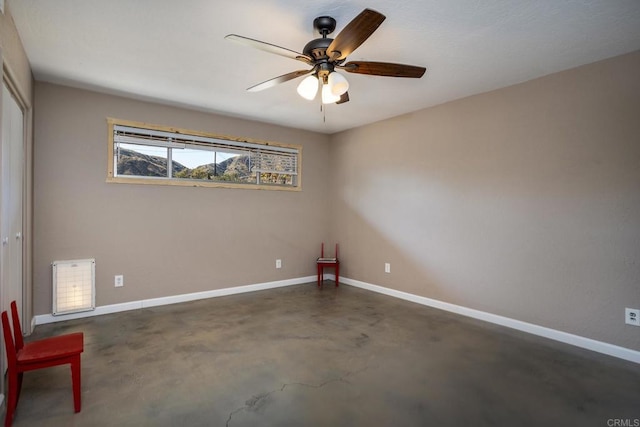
[74, 285]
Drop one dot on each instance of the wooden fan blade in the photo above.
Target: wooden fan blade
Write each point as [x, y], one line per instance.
[343, 98]
[354, 34]
[384, 69]
[280, 79]
[271, 48]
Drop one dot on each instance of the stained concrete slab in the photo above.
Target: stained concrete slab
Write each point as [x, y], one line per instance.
[338, 356]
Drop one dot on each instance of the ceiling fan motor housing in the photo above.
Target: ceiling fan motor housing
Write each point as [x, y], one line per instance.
[317, 48]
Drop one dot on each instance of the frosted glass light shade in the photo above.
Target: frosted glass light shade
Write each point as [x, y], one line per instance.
[308, 87]
[338, 84]
[327, 96]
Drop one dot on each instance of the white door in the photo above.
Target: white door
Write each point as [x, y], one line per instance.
[11, 189]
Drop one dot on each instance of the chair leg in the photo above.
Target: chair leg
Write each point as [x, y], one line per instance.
[337, 275]
[75, 379]
[12, 395]
[19, 387]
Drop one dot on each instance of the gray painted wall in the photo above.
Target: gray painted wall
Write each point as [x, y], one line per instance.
[522, 202]
[13, 54]
[165, 240]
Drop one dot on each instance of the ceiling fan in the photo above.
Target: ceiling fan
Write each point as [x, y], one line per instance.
[325, 55]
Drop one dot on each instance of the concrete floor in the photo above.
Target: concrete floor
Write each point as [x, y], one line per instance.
[297, 356]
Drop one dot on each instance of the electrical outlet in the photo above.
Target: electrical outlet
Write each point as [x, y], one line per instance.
[632, 316]
[278, 263]
[387, 267]
[119, 281]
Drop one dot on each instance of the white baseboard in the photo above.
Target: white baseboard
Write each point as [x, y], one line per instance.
[576, 340]
[154, 302]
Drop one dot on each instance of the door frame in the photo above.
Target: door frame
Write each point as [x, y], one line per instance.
[27, 184]
[7, 76]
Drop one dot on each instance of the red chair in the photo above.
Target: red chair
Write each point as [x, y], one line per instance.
[23, 357]
[323, 263]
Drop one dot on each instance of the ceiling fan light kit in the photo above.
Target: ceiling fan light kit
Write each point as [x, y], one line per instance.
[336, 86]
[324, 55]
[327, 96]
[308, 87]
[337, 83]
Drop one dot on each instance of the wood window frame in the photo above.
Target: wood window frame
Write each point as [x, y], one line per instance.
[113, 177]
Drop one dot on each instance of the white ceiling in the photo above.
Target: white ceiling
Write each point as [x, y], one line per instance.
[174, 52]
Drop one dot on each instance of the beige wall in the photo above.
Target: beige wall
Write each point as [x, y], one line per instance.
[13, 54]
[164, 240]
[522, 202]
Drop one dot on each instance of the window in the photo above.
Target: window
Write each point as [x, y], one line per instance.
[148, 154]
